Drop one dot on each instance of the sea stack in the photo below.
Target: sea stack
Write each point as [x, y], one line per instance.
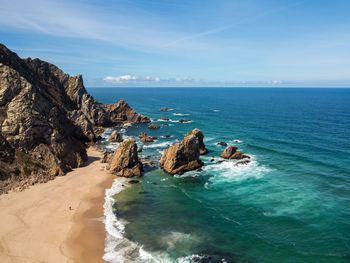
[231, 153]
[183, 156]
[125, 161]
[145, 138]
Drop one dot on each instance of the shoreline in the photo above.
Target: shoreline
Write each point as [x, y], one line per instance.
[58, 221]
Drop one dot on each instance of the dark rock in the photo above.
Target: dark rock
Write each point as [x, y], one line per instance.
[166, 136]
[222, 143]
[164, 109]
[153, 126]
[139, 150]
[212, 160]
[243, 162]
[155, 119]
[184, 121]
[164, 119]
[199, 170]
[133, 181]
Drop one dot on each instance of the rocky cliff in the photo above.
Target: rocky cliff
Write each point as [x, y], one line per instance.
[46, 117]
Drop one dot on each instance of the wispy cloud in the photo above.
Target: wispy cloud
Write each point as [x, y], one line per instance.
[127, 79]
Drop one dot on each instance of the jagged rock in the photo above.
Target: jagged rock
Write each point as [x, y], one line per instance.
[153, 126]
[184, 156]
[164, 119]
[164, 109]
[145, 138]
[46, 117]
[125, 161]
[231, 153]
[166, 136]
[115, 137]
[222, 143]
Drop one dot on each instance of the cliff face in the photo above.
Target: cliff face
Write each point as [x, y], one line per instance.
[46, 117]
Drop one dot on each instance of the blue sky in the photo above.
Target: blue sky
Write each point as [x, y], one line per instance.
[186, 43]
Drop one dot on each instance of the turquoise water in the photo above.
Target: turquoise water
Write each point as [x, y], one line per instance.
[290, 204]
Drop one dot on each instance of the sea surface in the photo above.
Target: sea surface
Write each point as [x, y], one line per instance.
[291, 203]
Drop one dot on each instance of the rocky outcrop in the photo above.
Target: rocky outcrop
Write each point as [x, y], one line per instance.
[125, 161]
[46, 117]
[183, 156]
[153, 126]
[231, 153]
[115, 137]
[145, 138]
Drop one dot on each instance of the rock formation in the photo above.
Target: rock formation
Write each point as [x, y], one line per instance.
[184, 121]
[222, 143]
[145, 138]
[115, 137]
[153, 126]
[231, 153]
[125, 161]
[46, 116]
[183, 156]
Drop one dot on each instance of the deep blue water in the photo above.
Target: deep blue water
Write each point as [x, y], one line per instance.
[290, 204]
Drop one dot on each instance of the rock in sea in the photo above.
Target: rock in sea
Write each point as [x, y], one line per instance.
[231, 153]
[153, 126]
[145, 138]
[183, 156]
[125, 161]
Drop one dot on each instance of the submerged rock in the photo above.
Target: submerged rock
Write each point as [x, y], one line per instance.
[184, 121]
[164, 109]
[164, 119]
[231, 153]
[145, 138]
[153, 126]
[125, 161]
[184, 156]
[222, 143]
[115, 137]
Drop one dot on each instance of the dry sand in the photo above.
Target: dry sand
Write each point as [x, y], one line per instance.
[36, 225]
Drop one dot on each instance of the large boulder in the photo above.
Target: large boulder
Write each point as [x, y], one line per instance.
[183, 156]
[231, 153]
[125, 161]
[115, 137]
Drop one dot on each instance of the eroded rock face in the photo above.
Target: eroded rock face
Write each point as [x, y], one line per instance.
[115, 137]
[183, 156]
[145, 138]
[125, 161]
[46, 117]
[231, 153]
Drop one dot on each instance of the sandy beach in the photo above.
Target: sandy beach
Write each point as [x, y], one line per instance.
[59, 221]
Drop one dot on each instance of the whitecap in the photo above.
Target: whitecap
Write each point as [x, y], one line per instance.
[216, 110]
[229, 171]
[181, 114]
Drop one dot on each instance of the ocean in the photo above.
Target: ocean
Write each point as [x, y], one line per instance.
[291, 203]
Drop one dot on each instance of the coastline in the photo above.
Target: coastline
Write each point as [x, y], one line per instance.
[38, 225]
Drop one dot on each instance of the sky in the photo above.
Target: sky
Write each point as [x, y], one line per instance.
[174, 43]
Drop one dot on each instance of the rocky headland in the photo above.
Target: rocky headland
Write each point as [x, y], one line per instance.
[46, 120]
